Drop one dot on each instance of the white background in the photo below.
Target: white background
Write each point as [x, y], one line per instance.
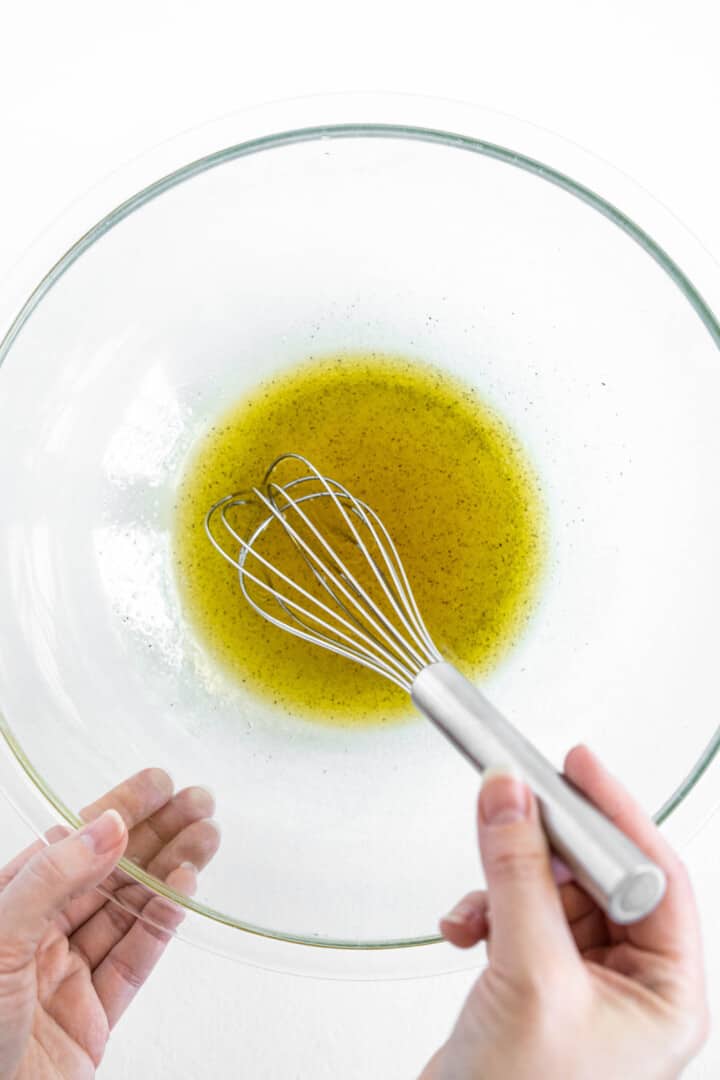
[85, 86]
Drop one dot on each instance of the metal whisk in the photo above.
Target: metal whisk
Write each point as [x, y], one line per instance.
[340, 584]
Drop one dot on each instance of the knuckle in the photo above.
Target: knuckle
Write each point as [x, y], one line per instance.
[13, 959]
[545, 1000]
[516, 865]
[160, 925]
[47, 869]
[127, 973]
[541, 997]
[131, 895]
[540, 993]
[162, 917]
[119, 919]
[535, 997]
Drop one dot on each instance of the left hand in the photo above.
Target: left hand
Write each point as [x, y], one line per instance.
[71, 961]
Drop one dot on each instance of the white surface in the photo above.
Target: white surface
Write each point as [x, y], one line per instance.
[81, 91]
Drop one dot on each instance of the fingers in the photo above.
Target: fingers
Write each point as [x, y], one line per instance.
[146, 837]
[49, 879]
[560, 871]
[128, 964]
[151, 835]
[529, 929]
[590, 931]
[135, 798]
[15, 865]
[673, 927]
[467, 923]
[576, 902]
[195, 845]
[584, 770]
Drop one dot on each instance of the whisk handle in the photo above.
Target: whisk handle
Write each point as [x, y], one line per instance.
[621, 879]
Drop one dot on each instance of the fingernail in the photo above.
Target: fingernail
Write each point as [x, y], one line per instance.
[560, 872]
[104, 833]
[215, 824]
[504, 798]
[202, 797]
[189, 886]
[462, 914]
[161, 781]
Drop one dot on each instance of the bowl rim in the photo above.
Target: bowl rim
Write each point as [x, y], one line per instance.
[447, 124]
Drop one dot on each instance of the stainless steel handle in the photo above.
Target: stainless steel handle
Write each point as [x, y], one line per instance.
[623, 881]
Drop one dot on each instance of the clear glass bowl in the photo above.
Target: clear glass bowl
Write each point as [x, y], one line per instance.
[576, 305]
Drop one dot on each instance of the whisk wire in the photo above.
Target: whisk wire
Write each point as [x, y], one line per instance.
[402, 599]
[248, 548]
[324, 583]
[385, 634]
[318, 637]
[348, 585]
[386, 663]
[412, 620]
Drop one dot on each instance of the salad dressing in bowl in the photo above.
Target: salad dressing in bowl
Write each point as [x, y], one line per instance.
[449, 480]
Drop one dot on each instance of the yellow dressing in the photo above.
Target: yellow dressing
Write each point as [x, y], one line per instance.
[444, 472]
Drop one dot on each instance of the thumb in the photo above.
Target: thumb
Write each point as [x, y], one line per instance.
[53, 877]
[528, 925]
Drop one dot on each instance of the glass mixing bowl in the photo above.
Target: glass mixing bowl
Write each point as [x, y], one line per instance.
[576, 306]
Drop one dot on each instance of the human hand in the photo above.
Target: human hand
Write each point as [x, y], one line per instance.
[71, 961]
[568, 994]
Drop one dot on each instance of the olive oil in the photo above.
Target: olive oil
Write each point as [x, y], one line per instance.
[447, 477]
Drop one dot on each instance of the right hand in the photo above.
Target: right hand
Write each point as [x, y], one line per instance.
[568, 994]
